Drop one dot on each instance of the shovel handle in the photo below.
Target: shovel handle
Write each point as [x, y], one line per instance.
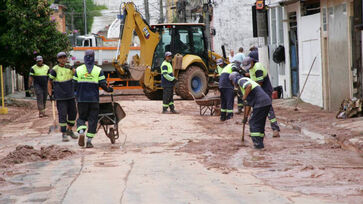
[53, 110]
[243, 132]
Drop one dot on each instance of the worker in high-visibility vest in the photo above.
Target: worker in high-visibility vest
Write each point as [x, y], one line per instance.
[258, 73]
[218, 70]
[61, 84]
[253, 96]
[168, 82]
[87, 79]
[39, 75]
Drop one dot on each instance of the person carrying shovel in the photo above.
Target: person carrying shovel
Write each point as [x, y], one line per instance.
[61, 83]
[253, 96]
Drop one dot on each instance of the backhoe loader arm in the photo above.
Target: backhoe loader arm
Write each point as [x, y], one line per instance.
[133, 21]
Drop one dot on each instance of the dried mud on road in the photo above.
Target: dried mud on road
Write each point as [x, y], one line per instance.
[292, 163]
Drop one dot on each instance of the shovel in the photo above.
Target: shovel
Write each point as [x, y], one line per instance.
[245, 115]
[53, 127]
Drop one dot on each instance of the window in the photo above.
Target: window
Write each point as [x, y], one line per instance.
[325, 21]
[273, 26]
[182, 43]
[198, 41]
[310, 8]
[281, 28]
[163, 46]
[344, 5]
[87, 43]
[331, 11]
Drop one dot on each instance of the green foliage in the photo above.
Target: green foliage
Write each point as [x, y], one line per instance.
[76, 6]
[28, 31]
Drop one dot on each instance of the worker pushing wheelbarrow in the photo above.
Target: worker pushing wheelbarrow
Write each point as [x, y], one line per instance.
[109, 116]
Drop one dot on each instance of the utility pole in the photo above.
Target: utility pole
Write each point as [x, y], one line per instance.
[161, 17]
[85, 16]
[207, 24]
[72, 20]
[147, 14]
[72, 27]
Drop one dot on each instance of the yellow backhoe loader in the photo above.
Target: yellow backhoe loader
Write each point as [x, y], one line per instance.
[192, 63]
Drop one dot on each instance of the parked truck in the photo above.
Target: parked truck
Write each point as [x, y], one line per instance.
[105, 51]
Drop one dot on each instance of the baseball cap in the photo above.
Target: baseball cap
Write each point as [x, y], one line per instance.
[219, 61]
[61, 54]
[247, 63]
[254, 55]
[167, 54]
[39, 58]
[234, 76]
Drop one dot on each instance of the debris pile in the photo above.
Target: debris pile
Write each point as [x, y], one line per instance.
[350, 108]
[26, 153]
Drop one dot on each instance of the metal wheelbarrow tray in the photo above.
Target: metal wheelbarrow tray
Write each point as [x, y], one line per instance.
[108, 118]
[208, 105]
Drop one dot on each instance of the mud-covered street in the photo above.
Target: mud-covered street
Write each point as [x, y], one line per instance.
[165, 158]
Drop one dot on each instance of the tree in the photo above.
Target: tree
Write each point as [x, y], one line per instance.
[29, 31]
[77, 7]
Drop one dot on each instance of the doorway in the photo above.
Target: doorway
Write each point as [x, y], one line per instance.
[294, 53]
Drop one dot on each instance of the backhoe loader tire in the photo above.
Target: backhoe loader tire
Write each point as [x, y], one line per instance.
[193, 80]
[154, 95]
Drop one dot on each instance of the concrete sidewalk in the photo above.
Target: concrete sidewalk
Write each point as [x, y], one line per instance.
[321, 125]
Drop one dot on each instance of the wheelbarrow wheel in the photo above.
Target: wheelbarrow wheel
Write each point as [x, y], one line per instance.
[111, 135]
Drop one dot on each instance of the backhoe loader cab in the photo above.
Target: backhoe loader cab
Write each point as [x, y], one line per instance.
[182, 39]
[189, 41]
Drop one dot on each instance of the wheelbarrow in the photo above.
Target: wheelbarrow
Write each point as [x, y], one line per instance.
[109, 116]
[207, 105]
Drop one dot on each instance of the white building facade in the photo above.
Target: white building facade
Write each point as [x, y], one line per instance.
[317, 39]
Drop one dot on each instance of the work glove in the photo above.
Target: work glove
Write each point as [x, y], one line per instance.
[175, 81]
[51, 97]
[242, 72]
[109, 89]
[244, 120]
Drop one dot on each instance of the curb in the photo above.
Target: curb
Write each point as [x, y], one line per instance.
[352, 144]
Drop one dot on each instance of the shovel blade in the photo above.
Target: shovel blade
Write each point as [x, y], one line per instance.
[52, 128]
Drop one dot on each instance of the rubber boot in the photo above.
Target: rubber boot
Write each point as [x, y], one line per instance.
[255, 142]
[229, 116]
[276, 133]
[40, 114]
[261, 145]
[173, 111]
[71, 133]
[89, 143]
[81, 138]
[223, 116]
[258, 142]
[65, 137]
[165, 110]
[43, 113]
